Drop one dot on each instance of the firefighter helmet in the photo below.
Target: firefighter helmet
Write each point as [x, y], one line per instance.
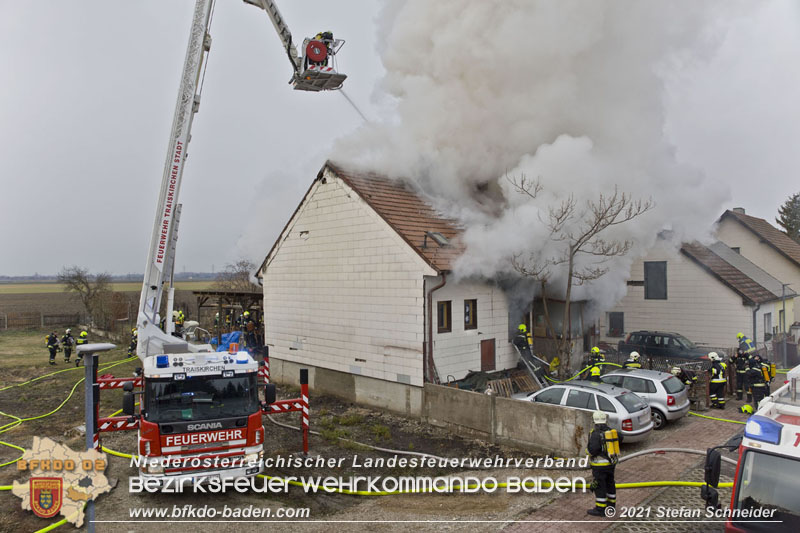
[84, 334]
[676, 371]
[635, 356]
[746, 408]
[714, 356]
[595, 350]
[740, 335]
[68, 331]
[522, 328]
[599, 417]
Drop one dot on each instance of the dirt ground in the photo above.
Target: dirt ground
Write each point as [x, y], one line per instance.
[23, 356]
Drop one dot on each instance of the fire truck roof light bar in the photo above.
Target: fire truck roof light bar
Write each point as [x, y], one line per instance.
[763, 429]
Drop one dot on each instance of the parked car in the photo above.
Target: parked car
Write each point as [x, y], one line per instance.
[627, 413]
[661, 344]
[666, 394]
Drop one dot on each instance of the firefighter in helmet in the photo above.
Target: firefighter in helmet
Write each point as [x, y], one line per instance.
[633, 361]
[718, 377]
[603, 465]
[52, 346]
[82, 339]
[755, 383]
[596, 357]
[522, 340]
[67, 341]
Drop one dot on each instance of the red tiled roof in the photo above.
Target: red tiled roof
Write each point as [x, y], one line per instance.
[769, 233]
[734, 278]
[407, 213]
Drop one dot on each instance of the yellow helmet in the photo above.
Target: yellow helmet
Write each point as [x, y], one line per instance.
[84, 334]
[595, 350]
[746, 408]
[523, 328]
[740, 335]
[247, 313]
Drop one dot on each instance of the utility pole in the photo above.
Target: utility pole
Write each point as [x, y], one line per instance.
[783, 324]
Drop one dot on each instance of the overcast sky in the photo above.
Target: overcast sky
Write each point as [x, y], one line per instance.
[89, 89]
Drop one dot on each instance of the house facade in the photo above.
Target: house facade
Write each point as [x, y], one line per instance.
[706, 293]
[772, 250]
[358, 288]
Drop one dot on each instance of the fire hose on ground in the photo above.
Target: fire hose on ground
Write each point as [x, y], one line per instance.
[17, 421]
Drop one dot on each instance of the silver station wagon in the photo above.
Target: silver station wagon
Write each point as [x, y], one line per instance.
[627, 413]
[666, 395]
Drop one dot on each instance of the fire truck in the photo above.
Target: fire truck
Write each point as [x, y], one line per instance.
[766, 488]
[199, 413]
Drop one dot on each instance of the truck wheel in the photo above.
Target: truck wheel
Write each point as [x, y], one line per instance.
[659, 420]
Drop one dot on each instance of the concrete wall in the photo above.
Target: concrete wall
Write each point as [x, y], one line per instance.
[459, 351]
[698, 305]
[396, 397]
[343, 291]
[538, 427]
[735, 235]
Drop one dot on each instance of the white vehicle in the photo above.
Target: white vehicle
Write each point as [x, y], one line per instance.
[200, 408]
[768, 471]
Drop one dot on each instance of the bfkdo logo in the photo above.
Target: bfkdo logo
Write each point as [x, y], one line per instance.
[46, 495]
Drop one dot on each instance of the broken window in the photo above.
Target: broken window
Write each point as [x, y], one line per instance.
[443, 314]
[470, 314]
[655, 280]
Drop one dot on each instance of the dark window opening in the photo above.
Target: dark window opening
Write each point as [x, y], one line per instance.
[616, 324]
[655, 280]
[470, 314]
[443, 315]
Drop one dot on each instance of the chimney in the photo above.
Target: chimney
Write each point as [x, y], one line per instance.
[739, 210]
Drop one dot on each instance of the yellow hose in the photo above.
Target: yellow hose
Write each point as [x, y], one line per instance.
[714, 418]
[581, 372]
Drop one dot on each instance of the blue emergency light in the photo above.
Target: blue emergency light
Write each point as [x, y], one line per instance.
[241, 358]
[764, 429]
[162, 361]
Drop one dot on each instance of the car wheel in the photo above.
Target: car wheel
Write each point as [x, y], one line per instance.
[659, 420]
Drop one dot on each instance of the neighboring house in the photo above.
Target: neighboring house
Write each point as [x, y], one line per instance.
[772, 250]
[706, 293]
[358, 288]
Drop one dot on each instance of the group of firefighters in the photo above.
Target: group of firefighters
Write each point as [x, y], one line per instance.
[67, 342]
[753, 375]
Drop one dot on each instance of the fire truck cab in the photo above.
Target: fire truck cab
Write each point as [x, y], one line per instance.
[766, 490]
[200, 417]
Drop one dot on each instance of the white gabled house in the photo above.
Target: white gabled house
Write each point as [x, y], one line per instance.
[357, 288]
[706, 293]
[773, 251]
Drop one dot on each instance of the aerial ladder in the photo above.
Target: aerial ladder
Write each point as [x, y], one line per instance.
[312, 70]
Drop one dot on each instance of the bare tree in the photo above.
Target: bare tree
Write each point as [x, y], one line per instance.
[579, 228]
[93, 290]
[237, 277]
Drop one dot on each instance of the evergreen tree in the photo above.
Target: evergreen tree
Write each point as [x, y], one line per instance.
[789, 217]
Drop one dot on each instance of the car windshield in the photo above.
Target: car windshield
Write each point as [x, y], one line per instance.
[672, 385]
[686, 343]
[770, 482]
[200, 398]
[631, 402]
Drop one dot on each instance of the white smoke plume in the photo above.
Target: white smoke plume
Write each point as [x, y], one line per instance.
[570, 92]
